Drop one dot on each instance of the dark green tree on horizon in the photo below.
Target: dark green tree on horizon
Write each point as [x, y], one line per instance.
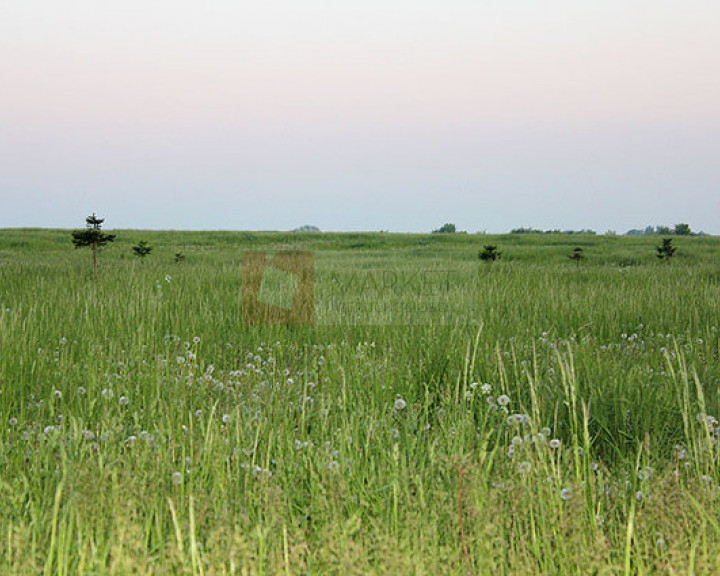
[447, 228]
[682, 229]
[92, 237]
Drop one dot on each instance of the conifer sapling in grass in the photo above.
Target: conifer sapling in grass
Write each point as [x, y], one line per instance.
[489, 254]
[142, 249]
[577, 255]
[666, 250]
[92, 237]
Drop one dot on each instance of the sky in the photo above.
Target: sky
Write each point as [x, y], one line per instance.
[395, 115]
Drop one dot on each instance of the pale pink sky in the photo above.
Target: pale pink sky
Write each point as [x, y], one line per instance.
[360, 115]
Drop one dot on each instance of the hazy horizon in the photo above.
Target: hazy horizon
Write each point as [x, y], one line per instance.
[357, 116]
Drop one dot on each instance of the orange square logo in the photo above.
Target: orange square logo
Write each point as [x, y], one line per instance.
[278, 291]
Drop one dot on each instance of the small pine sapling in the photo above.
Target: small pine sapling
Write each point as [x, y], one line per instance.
[489, 254]
[142, 249]
[577, 255]
[92, 237]
[666, 250]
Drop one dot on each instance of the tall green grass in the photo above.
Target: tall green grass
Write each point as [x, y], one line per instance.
[550, 419]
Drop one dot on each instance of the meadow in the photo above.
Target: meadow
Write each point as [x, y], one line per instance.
[527, 416]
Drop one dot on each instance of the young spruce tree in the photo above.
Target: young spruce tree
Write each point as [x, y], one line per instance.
[142, 249]
[92, 237]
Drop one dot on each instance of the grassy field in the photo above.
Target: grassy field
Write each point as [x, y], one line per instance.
[529, 416]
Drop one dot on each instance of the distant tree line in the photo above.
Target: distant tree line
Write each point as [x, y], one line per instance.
[587, 231]
[681, 229]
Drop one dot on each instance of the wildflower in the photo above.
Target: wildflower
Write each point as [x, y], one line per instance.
[521, 418]
[226, 418]
[196, 340]
[503, 400]
[81, 390]
[594, 466]
[49, 430]
[176, 478]
[107, 393]
[58, 395]
[333, 465]
[545, 432]
[13, 421]
[124, 401]
[555, 443]
[198, 413]
[486, 389]
[639, 495]
[660, 544]
[524, 467]
[89, 435]
[566, 494]
[400, 404]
